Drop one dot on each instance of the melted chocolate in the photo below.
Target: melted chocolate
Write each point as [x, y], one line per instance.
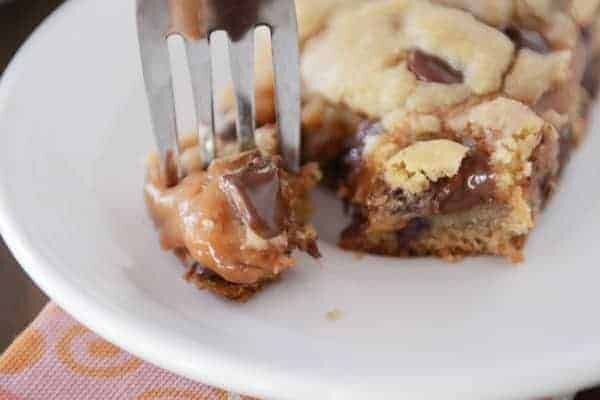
[429, 68]
[254, 193]
[525, 38]
[473, 185]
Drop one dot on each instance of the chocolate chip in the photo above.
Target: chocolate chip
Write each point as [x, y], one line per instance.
[254, 193]
[473, 185]
[429, 68]
[526, 38]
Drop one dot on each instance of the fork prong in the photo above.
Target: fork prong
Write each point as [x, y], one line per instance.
[198, 54]
[242, 73]
[286, 60]
[153, 24]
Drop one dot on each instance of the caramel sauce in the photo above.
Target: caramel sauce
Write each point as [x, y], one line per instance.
[196, 215]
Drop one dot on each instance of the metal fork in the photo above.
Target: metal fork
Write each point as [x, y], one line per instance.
[195, 21]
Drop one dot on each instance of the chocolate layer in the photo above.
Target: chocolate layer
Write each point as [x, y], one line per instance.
[472, 186]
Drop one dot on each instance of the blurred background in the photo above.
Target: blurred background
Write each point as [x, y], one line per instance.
[20, 300]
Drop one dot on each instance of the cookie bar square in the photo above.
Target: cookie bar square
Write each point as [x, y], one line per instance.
[445, 124]
[470, 110]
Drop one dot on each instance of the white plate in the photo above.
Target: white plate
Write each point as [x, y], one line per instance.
[73, 133]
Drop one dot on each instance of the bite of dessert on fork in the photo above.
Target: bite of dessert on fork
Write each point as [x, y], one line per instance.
[232, 211]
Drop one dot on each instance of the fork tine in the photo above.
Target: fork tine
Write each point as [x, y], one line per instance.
[242, 73]
[286, 59]
[198, 54]
[153, 24]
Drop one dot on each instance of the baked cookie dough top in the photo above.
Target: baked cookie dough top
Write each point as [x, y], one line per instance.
[376, 69]
[379, 56]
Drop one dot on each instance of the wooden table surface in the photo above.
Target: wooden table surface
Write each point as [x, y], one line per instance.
[20, 300]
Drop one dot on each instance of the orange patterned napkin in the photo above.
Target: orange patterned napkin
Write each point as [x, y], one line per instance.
[56, 358]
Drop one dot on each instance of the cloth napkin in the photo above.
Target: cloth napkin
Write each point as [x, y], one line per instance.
[56, 358]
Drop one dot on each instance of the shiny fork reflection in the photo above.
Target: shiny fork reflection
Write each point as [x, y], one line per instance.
[195, 21]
